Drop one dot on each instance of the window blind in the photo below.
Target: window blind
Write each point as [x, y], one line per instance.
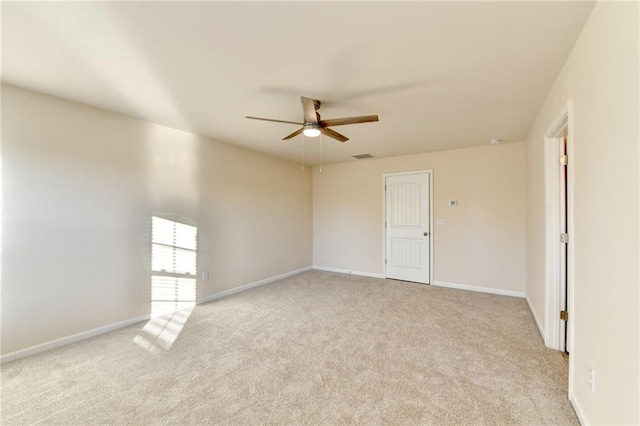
[173, 265]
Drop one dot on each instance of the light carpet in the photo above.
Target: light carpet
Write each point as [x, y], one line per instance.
[315, 348]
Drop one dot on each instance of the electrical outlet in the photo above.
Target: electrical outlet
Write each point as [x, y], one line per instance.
[205, 276]
[592, 379]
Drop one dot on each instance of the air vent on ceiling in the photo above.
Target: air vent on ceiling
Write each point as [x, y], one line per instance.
[362, 156]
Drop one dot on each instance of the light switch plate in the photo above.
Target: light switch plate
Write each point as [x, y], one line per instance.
[441, 222]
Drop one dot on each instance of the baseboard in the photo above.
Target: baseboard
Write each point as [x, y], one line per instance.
[120, 324]
[347, 271]
[235, 290]
[535, 318]
[479, 289]
[22, 353]
[577, 408]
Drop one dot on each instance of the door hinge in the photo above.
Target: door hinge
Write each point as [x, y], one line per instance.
[564, 238]
[564, 315]
[385, 261]
[385, 187]
[564, 159]
[385, 224]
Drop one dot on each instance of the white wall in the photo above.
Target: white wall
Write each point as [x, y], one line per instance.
[80, 186]
[483, 241]
[600, 78]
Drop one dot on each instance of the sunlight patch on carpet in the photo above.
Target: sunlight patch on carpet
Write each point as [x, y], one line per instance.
[160, 333]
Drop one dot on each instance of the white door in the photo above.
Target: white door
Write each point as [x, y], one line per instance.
[407, 227]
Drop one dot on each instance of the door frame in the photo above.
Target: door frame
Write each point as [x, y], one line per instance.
[428, 172]
[562, 125]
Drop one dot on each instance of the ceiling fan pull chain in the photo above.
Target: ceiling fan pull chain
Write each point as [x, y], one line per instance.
[302, 165]
[321, 152]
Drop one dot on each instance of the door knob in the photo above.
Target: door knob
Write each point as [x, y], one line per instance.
[426, 234]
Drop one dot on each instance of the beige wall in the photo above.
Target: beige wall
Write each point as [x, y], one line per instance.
[483, 241]
[80, 186]
[600, 78]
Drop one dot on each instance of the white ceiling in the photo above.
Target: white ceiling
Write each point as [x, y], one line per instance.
[440, 75]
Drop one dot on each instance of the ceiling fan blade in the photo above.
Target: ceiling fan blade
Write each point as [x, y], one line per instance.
[348, 120]
[335, 135]
[309, 109]
[277, 121]
[294, 134]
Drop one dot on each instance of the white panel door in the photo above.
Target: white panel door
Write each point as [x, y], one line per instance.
[407, 227]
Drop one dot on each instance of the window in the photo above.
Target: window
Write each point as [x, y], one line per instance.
[173, 266]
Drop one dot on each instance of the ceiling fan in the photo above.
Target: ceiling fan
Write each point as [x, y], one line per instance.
[313, 126]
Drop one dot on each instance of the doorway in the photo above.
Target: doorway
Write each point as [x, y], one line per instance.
[564, 241]
[407, 226]
[558, 233]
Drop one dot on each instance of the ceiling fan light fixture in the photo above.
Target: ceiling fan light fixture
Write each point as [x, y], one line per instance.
[311, 131]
